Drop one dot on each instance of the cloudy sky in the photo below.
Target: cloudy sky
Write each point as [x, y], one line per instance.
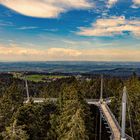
[91, 30]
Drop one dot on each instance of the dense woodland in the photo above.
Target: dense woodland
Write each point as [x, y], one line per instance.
[70, 117]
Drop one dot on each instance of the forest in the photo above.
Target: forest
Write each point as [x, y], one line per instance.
[70, 118]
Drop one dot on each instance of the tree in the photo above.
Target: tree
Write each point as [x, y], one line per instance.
[36, 119]
[15, 132]
[133, 105]
[10, 102]
[133, 87]
[72, 125]
[77, 129]
[72, 120]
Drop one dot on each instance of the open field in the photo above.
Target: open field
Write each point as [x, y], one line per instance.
[39, 77]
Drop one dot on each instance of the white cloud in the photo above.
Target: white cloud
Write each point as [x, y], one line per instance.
[58, 52]
[111, 26]
[51, 30]
[136, 4]
[45, 8]
[15, 52]
[112, 2]
[5, 23]
[27, 27]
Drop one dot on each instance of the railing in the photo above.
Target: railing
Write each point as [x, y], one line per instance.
[117, 124]
[112, 134]
[107, 100]
[113, 117]
[40, 100]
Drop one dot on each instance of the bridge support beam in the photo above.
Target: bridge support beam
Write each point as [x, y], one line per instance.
[123, 137]
[100, 135]
[101, 101]
[101, 91]
[27, 91]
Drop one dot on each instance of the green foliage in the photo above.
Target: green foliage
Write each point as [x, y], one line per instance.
[36, 119]
[39, 77]
[15, 132]
[133, 87]
[133, 106]
[9, 104]
[53, 89]
[73, 118]
[69, 118]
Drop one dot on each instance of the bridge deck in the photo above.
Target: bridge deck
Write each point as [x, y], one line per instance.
[111, 123]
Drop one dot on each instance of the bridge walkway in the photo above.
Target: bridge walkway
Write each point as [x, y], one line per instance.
[112, 124]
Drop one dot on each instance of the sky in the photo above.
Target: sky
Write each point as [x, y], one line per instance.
[69, 30]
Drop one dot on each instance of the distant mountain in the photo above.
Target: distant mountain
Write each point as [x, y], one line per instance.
[111, 68]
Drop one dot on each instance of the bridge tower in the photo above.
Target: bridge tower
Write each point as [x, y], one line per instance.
[101, 91]
[101, 100]
[27, 90]
[124, 98]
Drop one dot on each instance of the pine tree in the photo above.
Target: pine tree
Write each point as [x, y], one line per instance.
[133, 93]
[73, 123]
[9, 104]
[15, 132]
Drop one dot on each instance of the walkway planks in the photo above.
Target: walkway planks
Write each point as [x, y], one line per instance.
[111, 123]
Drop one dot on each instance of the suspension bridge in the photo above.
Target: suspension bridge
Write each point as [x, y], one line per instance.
[117, 132]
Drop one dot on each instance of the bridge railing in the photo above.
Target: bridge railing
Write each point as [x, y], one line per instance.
[107, 100]
[112, 134]
[117, 124]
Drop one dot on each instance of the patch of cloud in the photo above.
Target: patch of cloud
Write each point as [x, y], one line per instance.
[5, 23]
[63, 52]
[27, 27]
[14, 52]
[71, 42]
[45, 8]
[111, 26]
[51, 30]
[111, 3]
[136, 4]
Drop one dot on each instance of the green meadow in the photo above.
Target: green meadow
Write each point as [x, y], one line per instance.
[40, 77]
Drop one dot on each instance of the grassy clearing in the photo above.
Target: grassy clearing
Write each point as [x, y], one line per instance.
[39, 77]
[35, 78]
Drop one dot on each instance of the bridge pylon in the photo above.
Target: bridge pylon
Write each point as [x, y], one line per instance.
[101, 91]
[27, 90]
[124, 98]
[101, 101]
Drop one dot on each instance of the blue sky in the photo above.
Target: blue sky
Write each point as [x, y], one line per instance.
[92, 30]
